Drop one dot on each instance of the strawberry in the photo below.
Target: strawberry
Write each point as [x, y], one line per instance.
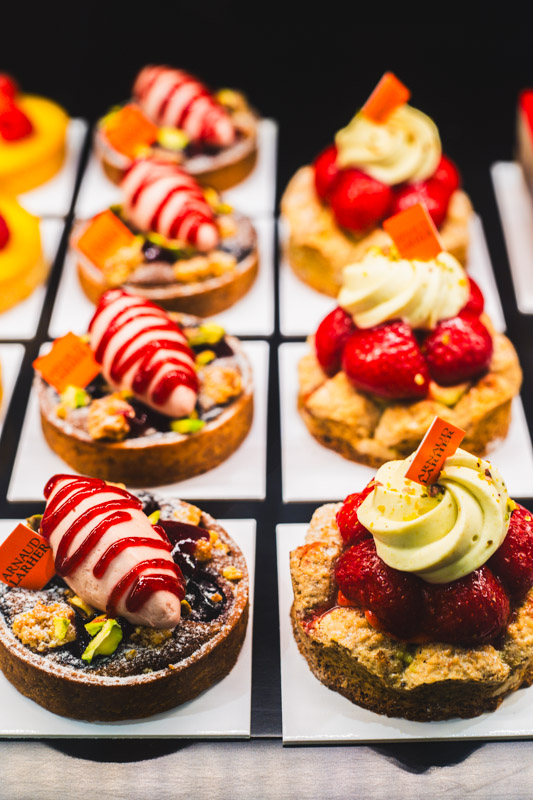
[350, 528]
[470, 611]
[4, 233]
[431, 193]
[458, 349]
[447, 175]
[14, 124]
[476, 302]
[358, 201]
[326, 171]
[331, 336]
[513, 560]
[8, 86]
[393, 597]
[386, 361]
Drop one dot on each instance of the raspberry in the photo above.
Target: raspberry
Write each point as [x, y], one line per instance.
[14, 124]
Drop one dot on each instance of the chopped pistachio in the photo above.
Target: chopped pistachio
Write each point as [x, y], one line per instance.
[187, 425]
[84, 607]
[105, 642]
[61, 627]
[34, 522]
[205, 357]
[232, 573]
[185, 607]
[210, 333]
[154, 517]
[172, 138]
[96, 625]
[74, 397]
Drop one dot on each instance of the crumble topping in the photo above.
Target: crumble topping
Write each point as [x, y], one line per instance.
[219, 383]
[45, 626]
[108, 418]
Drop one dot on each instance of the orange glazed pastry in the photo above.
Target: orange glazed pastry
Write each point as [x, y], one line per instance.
[22, 266]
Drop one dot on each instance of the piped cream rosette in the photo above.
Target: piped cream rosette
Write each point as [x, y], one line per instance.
[383, 287]
[444, 531]
[406, 147]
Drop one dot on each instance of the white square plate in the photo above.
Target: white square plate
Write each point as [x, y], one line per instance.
[11, 356]
[21, 321]
[251, 316]
[221, 711]
[54, 198]
[313, 472]
[255, 196]
[302, 308]
[241, 476]
[516, 212]
[314, 713]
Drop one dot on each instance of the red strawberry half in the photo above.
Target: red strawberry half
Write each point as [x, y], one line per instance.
[4, 233]
[472, 610]
[513, 560]
[330, 339]
[8, 86]
[358, 201]
[386, 361]
[14, 124]
[458, 349]
[447, 175]
[431, 193]
[393, 597]
[476, 302]
[350, 528]
[326, 171]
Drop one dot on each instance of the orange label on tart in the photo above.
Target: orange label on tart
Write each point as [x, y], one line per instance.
[386, 97]
[441, 441]
[414, 233]
[70, 362]
[26, 559]
[129, 130]
[105, 235]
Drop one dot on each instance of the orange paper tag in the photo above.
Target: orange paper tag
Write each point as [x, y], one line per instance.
[103, 237]
[386, 97]
[414, 233]
[441, 440]
[26, 559]
[70, 362]
[129, 130]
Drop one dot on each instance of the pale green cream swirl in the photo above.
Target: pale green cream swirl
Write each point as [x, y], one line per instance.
[404, 148]
[443, 534]
[381, 288]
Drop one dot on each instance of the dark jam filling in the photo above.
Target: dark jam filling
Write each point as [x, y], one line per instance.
[147, 419]
[199, 148]
[202, 585]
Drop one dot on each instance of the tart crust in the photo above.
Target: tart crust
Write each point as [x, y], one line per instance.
[371, 431]
[432, 681]
[152, 460]
[318, 250]
[86, 694]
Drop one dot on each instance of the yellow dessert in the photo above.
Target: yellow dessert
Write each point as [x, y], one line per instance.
[30, 161]
[22, 266]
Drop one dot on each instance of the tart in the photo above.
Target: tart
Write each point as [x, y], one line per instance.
[188, 251]
[450, 633]
[333, 209]
[32, 139]
[213, 136]
[176, 403]
[22, 264]
[49, 648]
[408, 341]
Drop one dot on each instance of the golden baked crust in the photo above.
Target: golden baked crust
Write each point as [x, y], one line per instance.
[372, 431]
[94, 694]
[318, 250]
[419, 682]
[157, 459]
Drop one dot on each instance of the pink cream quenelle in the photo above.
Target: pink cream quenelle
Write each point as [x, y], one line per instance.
[159, 196]
[107, 551]
[175, 98]
[141, 349]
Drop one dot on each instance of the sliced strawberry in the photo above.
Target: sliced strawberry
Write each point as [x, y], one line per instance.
[14, 124]
[458, 349]
[447, 175]
[386, 361]
[350, 528]
[326, 171]
[4, 233]
[431, 193]
[331, 336]
[470, 611]
[513, 560]
[358, 201]
[476, 302]
[8, 86]
[395, 598]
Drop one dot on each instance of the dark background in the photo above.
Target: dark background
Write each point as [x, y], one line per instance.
[310, 74]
